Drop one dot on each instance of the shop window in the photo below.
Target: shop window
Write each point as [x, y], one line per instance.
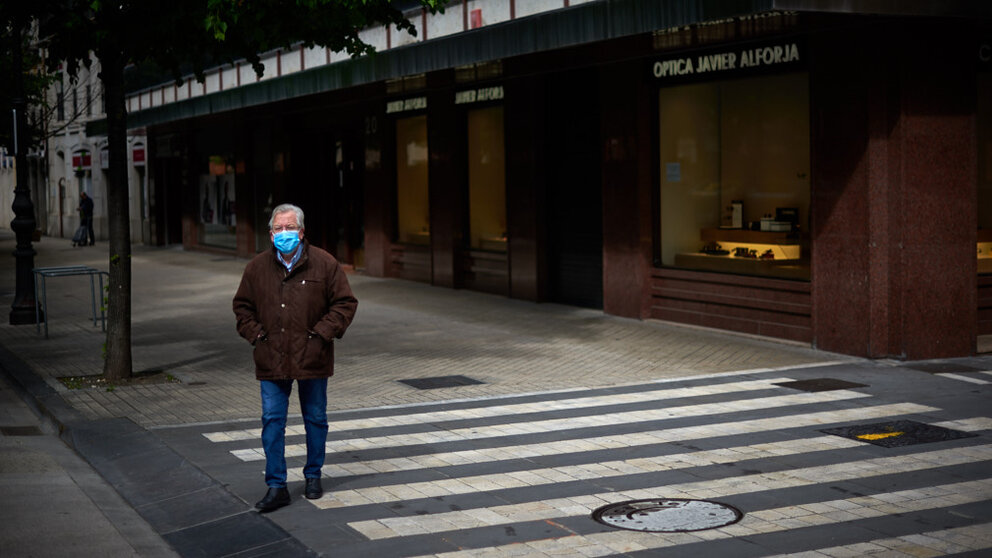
[216, 201]
[486, 180]
[985, 173]
[735, 183]
[413, 208]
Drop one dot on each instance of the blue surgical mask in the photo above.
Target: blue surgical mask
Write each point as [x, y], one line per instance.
[286, 241]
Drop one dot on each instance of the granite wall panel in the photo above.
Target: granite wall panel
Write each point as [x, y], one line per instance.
[839, 200]
[626, 147]
[894, 192]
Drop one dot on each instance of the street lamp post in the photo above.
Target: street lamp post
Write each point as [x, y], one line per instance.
[24, 307]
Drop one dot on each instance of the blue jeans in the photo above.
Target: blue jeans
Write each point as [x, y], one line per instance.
[275, 406]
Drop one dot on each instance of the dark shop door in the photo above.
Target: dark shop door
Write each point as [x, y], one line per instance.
[168, 202]
[574, 196]
[328, 184]
[347, 202]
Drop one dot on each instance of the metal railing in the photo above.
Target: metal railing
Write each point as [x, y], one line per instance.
[43, 273]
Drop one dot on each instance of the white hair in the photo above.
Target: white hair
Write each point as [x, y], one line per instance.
[286, 208]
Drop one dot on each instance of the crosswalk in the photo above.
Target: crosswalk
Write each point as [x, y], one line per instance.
[785, 518]
[522, 476]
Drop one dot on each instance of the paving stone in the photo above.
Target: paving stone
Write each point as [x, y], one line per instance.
[474, 332]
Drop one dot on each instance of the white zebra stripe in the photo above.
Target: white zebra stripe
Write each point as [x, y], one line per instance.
[550, 475]
[618, 441]
[765, 521]
[968, 379]
[513, 409]
[559, 425]
[581, 505]
[973, 424]
[931, 543]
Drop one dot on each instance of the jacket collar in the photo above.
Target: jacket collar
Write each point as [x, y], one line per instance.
[304, 246]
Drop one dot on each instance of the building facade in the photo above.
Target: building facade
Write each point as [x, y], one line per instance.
[811, 171]
[73, 160]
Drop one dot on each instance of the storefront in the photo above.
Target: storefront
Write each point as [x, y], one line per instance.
[812, 200]
[411, 255]
[818, 178]
[484, 265]
[215, 181]
[735, 186]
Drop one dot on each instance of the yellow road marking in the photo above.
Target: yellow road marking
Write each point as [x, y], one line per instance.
[879, 436]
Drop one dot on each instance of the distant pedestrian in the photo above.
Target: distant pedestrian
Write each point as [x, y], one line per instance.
[293, 301]
[86, 216]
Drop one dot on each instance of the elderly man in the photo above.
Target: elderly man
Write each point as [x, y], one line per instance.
[294, 300]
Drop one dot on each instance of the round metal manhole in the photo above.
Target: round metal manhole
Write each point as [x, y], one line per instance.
[668, 515]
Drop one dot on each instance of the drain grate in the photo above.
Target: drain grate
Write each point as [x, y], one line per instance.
[20, 431]
[820, 384]
[668, 515]
[898, 433]
[942, 367]
[440, 382]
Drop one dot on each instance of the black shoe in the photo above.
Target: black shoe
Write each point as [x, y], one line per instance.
[313, 490]
[274, 499]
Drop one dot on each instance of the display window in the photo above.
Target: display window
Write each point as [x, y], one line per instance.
[735, 176]
[985, 173]
[486, 180]
[412, 205]
[216, 204]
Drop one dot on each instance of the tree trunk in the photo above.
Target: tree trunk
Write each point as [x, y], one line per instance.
[117, 364]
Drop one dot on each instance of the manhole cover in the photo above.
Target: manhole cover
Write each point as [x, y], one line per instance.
[440, 382]
[820, 384]
[898, 433]
[668, 515]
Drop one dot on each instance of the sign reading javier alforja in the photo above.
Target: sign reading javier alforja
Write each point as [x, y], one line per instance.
[731, 59]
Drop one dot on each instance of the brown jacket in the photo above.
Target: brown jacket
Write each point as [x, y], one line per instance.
[293, 317]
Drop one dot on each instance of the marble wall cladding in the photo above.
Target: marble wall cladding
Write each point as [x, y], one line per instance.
[839, 201]
[894, 191]
[627, 184]
[524, 193]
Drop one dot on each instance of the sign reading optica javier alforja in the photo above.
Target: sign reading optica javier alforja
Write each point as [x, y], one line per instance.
[479, 95]
[405, 105]
[743, 58]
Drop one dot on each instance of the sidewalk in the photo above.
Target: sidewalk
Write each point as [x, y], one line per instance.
[182, 325]
[80, 515]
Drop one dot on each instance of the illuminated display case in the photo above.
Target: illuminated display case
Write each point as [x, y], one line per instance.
[774, 254]
[734, 176]
[412, 205]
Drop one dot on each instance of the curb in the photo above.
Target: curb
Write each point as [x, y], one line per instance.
[193, 513]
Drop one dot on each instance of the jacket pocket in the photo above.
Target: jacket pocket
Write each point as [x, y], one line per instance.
[265, 355]
[316, 354]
